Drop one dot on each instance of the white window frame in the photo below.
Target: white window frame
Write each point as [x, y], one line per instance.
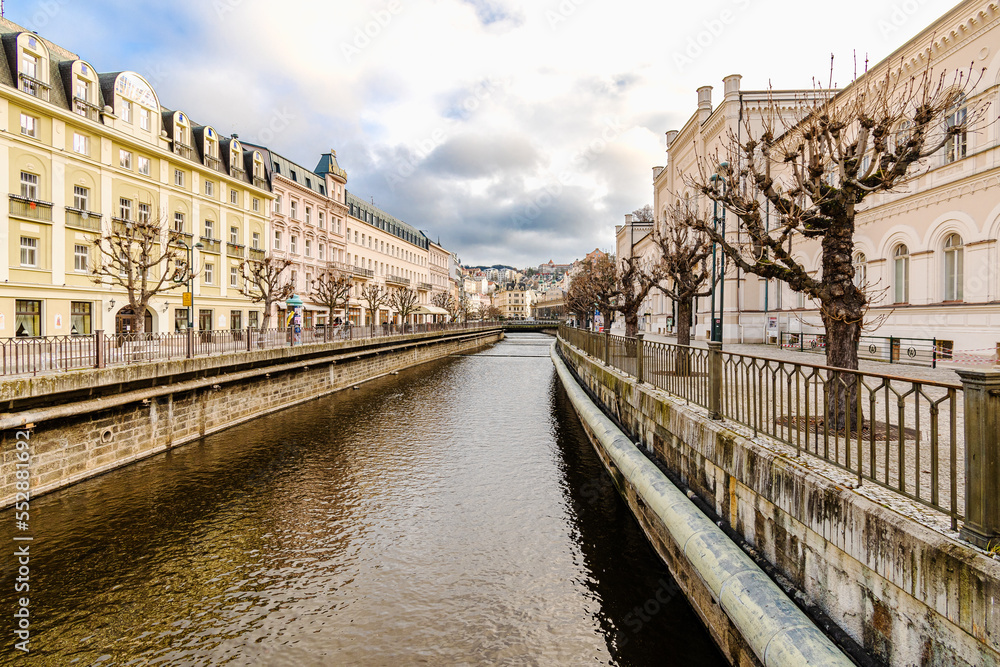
[29, 252]
[127, 111]
[234, 196]
[144, 117]
[209, 273]
[81, 260]
[81, 198]
[234, 276]
[125, 159]
[29, 126]
[144, 165]
[209, 188]
[29, 185]
[277, 239]
[81, 143]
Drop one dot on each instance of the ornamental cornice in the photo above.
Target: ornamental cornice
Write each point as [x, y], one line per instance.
[964, 188]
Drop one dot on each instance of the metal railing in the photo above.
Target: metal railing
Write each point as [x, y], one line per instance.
[33, 86]
[234, 250]
[915, 351]
[83, 219]
[901, 434]
[32, 209]
[86, 109]
[397, 280]
[31, 355]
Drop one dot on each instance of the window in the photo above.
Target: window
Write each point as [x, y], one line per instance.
[308, 248]
[256, 240]
[294, 244]
[29, 185]
[209, 273]
[205, 320]
[308, 214]
[29, 251]
[234, 277]
[180, 319]
[144, 213]
[27, 317]
[294, 209]
[29, 126]
[235, 319]
[126, 111]
[256, 205]
[81, 143]
[144, 118]
[234, 235]
[209, 229]
[253, 321]
[901, 282]
[294, 278]
[322, 220]
[953, 268]
[234, 197]
[209, 188]
[81, 198]
[277, 240]
[957, 144]
[125, 209]
[178, 221]
[81, 318]
[309, 279]
[277, 203]
[860, 270]
[29, 64]
[124, 159]
[81, 258]
[144, 166]
[178, 178]
[322, 248]
[82, 92]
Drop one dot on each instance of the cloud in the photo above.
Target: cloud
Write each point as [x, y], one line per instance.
[493, 14]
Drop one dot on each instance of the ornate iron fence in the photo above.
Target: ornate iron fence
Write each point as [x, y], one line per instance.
[901, 434]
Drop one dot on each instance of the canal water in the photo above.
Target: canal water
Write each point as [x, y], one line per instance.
[453, 514]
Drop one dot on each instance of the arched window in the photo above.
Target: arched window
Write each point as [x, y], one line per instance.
[903, 133]
[957, 143]
[901, 283]
[860, 270]
[953, 262]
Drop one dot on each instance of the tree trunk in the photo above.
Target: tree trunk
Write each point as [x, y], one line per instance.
[138, 318]
[682, 362]
[631, 323]
[843, 333]
[266, 319]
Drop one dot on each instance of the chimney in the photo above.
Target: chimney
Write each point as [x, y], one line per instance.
[732, 83]
[704, 103]
[656, 172]
[671, 135]
[628, 218]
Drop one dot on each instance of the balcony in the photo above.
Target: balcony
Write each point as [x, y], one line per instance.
[181, 235]
[234, 250]
[362, 273]
[238, 173]
[32, 209]
[213, 163]
[183, 150]
[211, 245]
[260, 182]
[84, 108]
[397, 280]
[425, 287]
[32, 86]
[340, 266]
[81, 219]
[256, 254]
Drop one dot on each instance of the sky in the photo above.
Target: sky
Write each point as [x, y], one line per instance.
[512, 132]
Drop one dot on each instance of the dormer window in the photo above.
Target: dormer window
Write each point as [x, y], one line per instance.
[212, 150]
[30, 76]
[258, 170]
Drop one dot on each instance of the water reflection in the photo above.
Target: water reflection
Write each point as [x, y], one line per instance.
[452, 514]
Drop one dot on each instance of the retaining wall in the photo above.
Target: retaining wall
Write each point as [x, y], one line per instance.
[85, 423]
[908, 595]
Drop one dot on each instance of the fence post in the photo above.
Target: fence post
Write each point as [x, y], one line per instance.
[190, 341]
[638, 357]
[982, 457]
[249, 336]
[715, 379]
[99, 349]
[802, 340]
[607, 346]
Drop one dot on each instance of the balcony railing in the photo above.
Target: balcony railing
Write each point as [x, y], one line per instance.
[213, 163]
[340, 266]
[211, 245]
[81, 219]
[86, 109]
[183, 150]
[260, 182]
[32, 209]
[256, 254]
[362, 273]
[425, 287]
[397, 280]
[32, 86]
[234, 250]
[238, 173]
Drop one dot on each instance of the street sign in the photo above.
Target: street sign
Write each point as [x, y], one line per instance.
[187, 299]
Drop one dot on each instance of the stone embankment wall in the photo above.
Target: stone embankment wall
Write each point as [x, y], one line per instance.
[88, 422]
[906, 594]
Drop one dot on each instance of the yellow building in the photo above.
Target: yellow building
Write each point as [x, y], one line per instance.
[83, 151]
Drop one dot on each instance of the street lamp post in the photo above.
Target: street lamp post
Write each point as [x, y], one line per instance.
[189, 301]
[717, 323]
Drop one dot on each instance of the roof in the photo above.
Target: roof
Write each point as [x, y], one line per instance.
[295, 172]
[376, 217]
[328, 166]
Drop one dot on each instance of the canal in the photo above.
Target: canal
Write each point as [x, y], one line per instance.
[453, 514]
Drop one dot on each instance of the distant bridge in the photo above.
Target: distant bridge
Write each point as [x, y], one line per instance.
[530, 325]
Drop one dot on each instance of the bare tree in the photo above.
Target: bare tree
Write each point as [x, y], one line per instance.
[595, 286]
[816, 168]
[446, 301]
[636, 277]
[141, 257]
[462, 308]
[404, 301]
[332, 289]
[375, 296]
[491, 313]
[264, 282]
[644, 214]
[685, 274]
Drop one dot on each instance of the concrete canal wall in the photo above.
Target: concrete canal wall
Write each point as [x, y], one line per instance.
[85, 423]
[906, 594]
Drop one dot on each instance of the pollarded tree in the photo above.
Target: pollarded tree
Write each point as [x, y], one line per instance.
[637, 276]
[404, 301]
[815, 169]
[685, 275]
[375, 297]
[491, 313]
[140, 256]
[264, 282]
[332, 289]
[644, 214]
[595, 287]
[446, 301]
